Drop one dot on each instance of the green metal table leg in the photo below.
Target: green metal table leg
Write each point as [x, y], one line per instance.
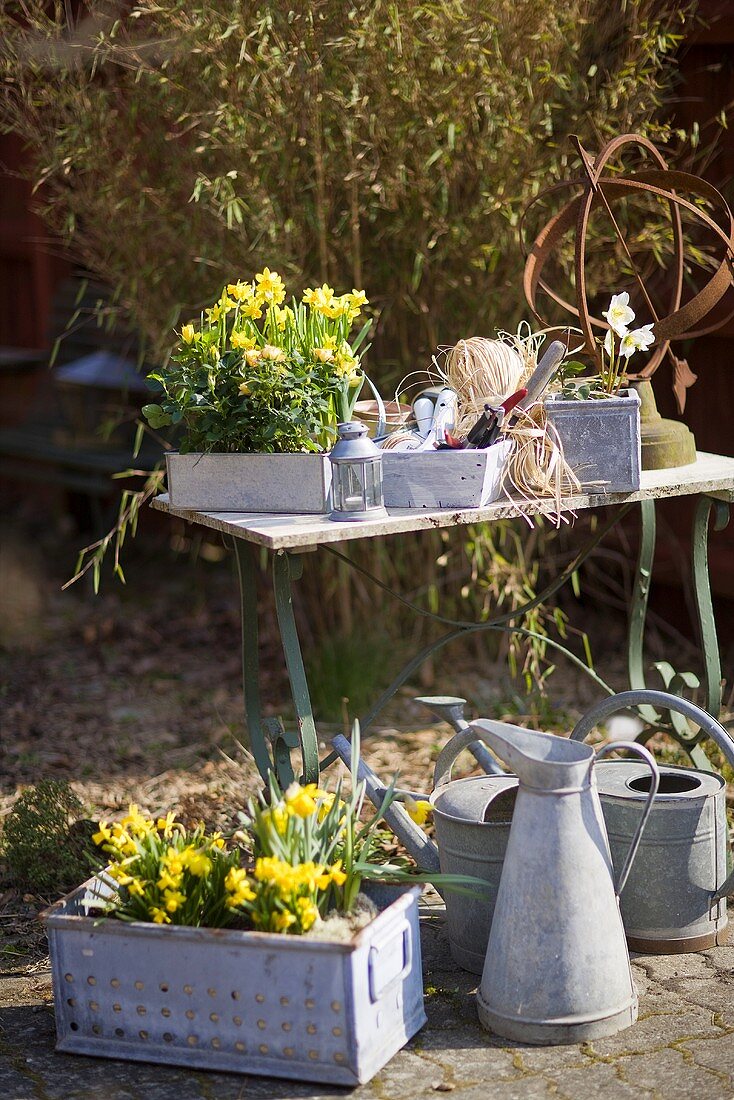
[638, 606]
[246, 572]
[702, 594]
[287, 568]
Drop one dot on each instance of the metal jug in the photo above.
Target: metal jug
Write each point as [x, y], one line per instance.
[557, 968]
[675, 897]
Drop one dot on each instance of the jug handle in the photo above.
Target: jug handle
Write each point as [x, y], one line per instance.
[649, 759]
[448, 754]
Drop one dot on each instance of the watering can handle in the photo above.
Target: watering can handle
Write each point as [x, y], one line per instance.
[640, 750]
[663, 699]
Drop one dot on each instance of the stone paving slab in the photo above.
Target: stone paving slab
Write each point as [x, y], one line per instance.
[682, 1047]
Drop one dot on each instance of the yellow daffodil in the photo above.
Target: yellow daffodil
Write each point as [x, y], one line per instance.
[281, 316]
[188, 332]
[103, 834]
[160, 916]
[282, 921]
[173, 900]
[242, 342]
[308, 913]
[270, 287]
[320, 299]
[241, 292]
[196, 862]
[252, 309]
[167, 824]
[300, 801]
[418, 810]
[172, 862]
[168, 881]
[337, 875]
[135, 822]
[136, 888]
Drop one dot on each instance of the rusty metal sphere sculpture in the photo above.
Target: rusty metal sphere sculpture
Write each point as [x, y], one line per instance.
[595, 189]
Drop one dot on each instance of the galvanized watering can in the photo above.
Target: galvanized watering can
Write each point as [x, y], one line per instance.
[675, 896]
[557, 968]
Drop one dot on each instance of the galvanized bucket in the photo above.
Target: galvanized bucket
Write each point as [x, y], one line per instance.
[472, 818]
[675, 897]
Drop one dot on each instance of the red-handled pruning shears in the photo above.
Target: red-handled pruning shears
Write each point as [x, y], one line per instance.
[488, 428]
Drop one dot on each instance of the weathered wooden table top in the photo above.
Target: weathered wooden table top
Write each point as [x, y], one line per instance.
[710, 474]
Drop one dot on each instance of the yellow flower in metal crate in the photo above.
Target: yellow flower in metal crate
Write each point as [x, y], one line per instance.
[160, 916]
[196, 862]
[173, 900]
[418, 810]
[308, 913]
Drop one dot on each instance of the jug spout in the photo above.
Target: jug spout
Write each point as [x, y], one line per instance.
[540, 760]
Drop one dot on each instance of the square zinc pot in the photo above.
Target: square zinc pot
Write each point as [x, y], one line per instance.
[243, 1002]
[601, 439]
[444, 479]
[249, 482]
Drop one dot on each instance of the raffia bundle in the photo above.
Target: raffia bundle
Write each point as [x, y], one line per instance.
[487, 371]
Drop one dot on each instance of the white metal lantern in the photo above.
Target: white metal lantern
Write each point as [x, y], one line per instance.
[356, 481]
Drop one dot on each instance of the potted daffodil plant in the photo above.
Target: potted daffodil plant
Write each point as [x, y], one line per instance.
[596, 417]
[256, 952]
[257, 387]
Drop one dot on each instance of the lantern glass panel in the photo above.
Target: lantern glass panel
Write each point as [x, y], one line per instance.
[351, 491]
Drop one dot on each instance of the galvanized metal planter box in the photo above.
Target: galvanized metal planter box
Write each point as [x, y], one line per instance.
[443, 479]
[243, 1002]
[249, 482]
[601, 439]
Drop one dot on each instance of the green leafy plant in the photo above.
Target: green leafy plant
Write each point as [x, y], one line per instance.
[45, 843]
[279, 385]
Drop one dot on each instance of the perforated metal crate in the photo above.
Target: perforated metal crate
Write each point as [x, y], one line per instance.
[248, 1002]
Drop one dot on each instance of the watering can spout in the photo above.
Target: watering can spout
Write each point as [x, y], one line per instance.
[540, 760]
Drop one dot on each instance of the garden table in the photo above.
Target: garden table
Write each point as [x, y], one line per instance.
[710, 479]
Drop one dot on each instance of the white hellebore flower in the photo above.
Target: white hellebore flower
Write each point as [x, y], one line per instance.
[639, 340]
[619, 314]
[609, 343]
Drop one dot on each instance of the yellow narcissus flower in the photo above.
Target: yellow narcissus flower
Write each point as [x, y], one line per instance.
[136, 888]
[281, 316]
[252, 309]
[135, 822]
[300, 801]
[336, 874]
[173, 900]
[270, 287]
[167, 881]
[308, 913]
[196, 862]
[166, 824]
[160, 916]
[103, 834]
[188, 332]
[418, 810]
[243, 342]
[319, 299]
[282, 921]
[241, 292]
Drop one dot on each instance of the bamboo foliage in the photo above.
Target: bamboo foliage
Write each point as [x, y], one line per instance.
[346, 142]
